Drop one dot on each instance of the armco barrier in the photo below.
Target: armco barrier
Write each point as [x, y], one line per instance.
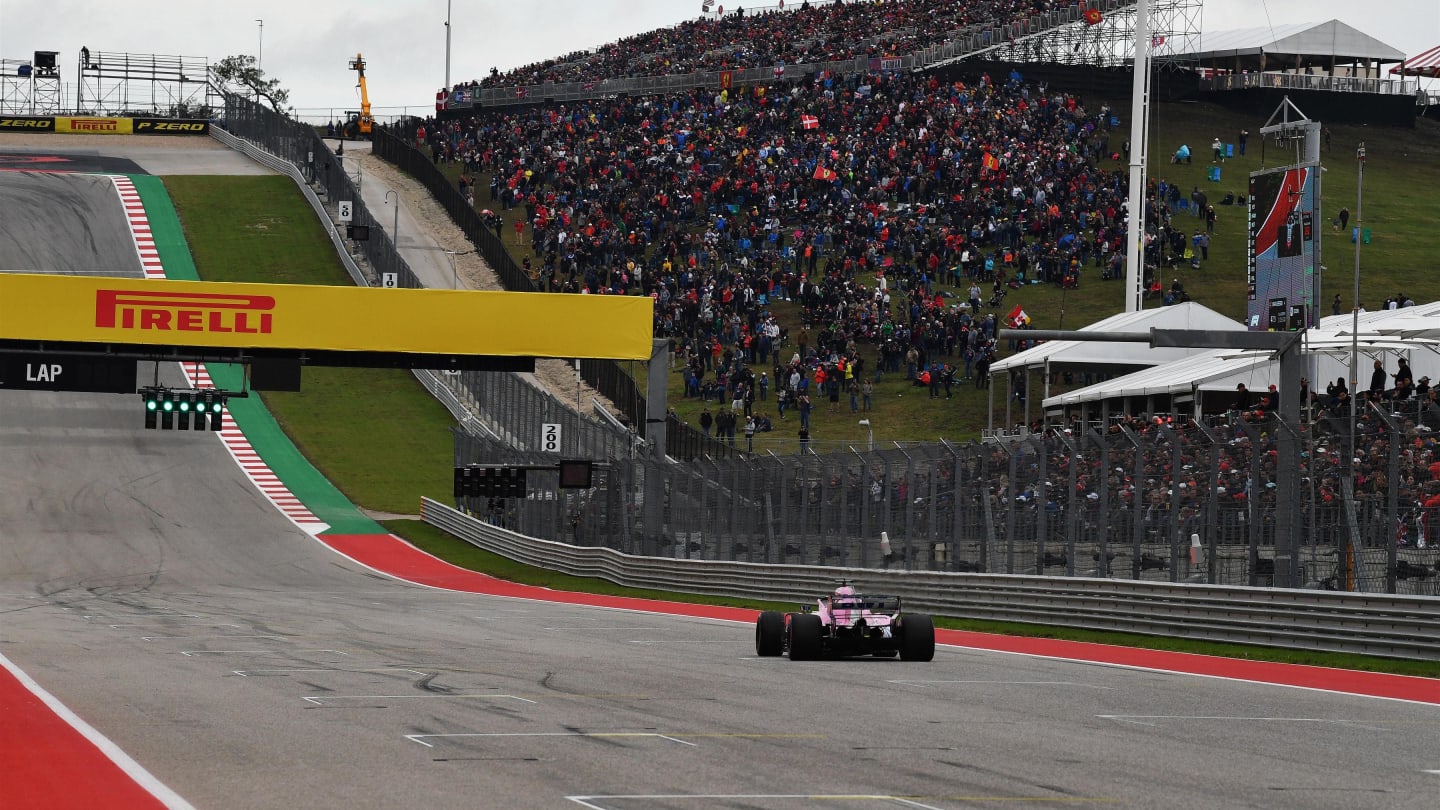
[1372, 624]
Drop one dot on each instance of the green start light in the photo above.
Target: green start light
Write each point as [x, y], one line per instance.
[169, 406]
[151, 404]
[218, 407]
[184, 405]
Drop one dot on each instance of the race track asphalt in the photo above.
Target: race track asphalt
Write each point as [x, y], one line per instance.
[147, 585]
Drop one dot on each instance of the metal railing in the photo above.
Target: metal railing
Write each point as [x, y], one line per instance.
[1304, 81]
[1406, 627]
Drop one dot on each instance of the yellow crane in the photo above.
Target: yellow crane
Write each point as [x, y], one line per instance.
[359, 122]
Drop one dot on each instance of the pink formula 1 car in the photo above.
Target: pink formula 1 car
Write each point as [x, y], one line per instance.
[847, 623]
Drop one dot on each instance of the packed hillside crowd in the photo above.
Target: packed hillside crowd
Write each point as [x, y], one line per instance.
[854, 197]
[804, 33]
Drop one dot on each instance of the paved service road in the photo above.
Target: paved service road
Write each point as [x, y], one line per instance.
[149, 587]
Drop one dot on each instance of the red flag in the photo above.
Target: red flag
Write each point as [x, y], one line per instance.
[990, 162]
[823, 173]
[809, 122]
[1017, 317]
[1093, 16]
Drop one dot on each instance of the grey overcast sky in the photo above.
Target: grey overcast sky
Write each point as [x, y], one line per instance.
[307, 44]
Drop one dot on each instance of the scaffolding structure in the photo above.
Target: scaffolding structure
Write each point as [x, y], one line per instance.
[30, 89]
[1174, 28]
[144, 84]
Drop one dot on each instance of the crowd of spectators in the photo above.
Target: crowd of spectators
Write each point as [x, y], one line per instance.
[867, 201]
[1226, 476]
[802, 33]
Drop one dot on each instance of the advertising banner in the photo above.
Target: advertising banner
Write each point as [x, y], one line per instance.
[93, 126]
[292, 316]
[27, 123]
[169, 126]
[1284, 205]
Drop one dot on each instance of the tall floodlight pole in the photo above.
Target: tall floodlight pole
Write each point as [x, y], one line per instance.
[260, 56]
[1139, 146]
[1359, 235]
[447, 46]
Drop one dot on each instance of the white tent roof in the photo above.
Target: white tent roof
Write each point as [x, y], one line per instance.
[1210, 370]
[1222, 369]
[1189, 315]
[1420, 322]
[1333, 38]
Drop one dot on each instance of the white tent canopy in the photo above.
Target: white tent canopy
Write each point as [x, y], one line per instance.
[1189, 315]
[1210, 370]
[1327, 349]
[1332, 39]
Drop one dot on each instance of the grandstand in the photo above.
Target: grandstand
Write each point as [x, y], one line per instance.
[839, 37]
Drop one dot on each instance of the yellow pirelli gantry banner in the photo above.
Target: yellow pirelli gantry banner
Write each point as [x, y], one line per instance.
[293, 316]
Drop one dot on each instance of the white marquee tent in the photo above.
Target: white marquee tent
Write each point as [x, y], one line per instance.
[1413, 332]
[1107, 357]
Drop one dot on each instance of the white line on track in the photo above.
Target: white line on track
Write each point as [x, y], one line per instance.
[167, 615]
[245, 673]
[618, 627]
[682, 641]
[1139, 719]
[257, 652]
[319, 700]
[174, 624]
[1005, 683]
[586, 801]
[421, 738]
[208, 635]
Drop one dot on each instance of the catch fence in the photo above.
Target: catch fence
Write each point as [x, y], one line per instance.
[1135, 499]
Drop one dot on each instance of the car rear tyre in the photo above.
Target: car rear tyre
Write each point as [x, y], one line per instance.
[770, 634]
[917, 638]
[805, 641]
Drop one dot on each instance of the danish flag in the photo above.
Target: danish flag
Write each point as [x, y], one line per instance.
[809, 122]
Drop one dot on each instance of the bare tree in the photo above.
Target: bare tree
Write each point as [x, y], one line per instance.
[240, 74]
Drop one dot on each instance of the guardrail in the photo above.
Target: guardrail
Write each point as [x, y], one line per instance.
[1371, 624]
